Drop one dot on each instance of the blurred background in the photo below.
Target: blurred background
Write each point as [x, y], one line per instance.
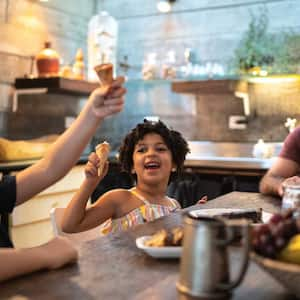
[225, 73]
[222, 39]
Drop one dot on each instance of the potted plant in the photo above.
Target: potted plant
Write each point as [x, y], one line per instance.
[257, 47]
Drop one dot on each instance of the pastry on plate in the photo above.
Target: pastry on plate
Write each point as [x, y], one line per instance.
[165, 238]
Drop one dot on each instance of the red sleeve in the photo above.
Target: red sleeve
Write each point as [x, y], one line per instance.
[291, 146]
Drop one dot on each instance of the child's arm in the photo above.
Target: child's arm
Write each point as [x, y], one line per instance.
[77, 217]
[53, 255]
[65, 152]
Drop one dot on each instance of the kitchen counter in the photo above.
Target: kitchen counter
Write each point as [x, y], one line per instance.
[227, 155]
[235, 156]
[240, 163]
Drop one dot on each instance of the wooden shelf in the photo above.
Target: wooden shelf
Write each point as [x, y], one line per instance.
[211, 86]
[57, 85]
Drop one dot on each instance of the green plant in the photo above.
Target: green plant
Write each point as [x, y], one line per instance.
[276, 53]
[257, 45]
[287, 59]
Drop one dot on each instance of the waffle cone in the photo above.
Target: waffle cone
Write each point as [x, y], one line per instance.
[102, 150]
[105, 73]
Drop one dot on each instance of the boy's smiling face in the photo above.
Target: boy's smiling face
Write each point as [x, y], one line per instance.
[152, 159]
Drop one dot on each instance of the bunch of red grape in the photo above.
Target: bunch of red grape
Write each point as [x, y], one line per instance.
[270, 238]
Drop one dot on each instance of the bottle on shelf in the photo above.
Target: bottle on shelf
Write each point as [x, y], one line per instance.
[47, 62]
[78, 66]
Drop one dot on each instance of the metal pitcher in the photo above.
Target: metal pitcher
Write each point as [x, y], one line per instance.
[204, 268]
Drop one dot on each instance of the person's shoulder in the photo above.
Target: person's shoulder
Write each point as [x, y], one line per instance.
[291, 146]
[119, 192]
[117, 195]
[293, 138]
[295, 134]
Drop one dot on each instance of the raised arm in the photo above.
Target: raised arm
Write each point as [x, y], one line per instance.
[77, 216]
[65, 152]
[53, 255]
[282, 169]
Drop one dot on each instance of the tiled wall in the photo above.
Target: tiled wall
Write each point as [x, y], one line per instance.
[151, 98]
[211, 28]
[24, 27]
[206, 117]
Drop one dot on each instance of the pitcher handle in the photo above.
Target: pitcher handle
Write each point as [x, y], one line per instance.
[245, 248]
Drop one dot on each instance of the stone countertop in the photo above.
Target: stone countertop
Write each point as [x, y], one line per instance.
[203, 154]
[229, 155]
[239, 163]
[201, 159]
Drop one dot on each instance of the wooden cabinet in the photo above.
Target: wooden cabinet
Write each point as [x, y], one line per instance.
[30, 222]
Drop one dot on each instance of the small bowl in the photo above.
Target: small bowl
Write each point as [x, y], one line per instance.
[285, 273]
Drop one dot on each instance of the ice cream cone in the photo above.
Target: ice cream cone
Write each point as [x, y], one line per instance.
[105, 73]
[102, 150]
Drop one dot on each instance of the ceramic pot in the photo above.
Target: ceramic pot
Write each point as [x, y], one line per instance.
[47, 62]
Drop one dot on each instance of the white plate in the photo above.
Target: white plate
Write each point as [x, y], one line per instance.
[213, 212]
[158, 252]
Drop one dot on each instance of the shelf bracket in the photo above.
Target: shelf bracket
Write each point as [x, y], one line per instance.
[18, 92]
[246, 102]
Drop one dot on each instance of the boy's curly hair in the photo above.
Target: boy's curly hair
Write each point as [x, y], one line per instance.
[173, 139]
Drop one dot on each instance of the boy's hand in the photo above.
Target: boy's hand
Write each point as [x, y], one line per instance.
[108, 100]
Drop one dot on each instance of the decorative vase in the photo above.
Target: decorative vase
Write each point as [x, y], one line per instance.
[47, 62]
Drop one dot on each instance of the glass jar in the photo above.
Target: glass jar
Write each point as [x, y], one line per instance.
[291, 195]
[102, 42]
